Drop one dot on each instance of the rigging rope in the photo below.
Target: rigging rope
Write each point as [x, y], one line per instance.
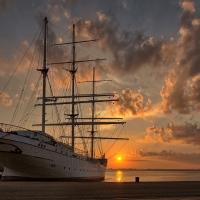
[26, 83]
[29, 108]
[2, 91]
[80, 110]
[56, 110]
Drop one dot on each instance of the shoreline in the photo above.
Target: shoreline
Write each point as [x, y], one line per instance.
[132, 169]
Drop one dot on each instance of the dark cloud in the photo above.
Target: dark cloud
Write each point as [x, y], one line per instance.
[187, 133]
[141, 160]
[6, 5]
[55, 10]
[192, 158]
[190, 38]
[67, 3]
[130, 50]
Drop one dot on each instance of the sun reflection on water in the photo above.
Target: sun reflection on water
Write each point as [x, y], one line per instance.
[119, 176]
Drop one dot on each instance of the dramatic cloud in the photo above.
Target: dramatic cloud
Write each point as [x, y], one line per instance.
[188, 5]
[130, 51]
[191, 158]
[180, 92]
[185, 134]
[5, 99]
[54, 10]
[131, 104]
[174, 95]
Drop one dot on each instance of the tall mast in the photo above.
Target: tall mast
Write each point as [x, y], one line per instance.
[92, 132]
[44, 72]
[73, 71]
[72, 116]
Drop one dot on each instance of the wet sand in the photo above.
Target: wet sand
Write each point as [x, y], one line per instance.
[100, 190]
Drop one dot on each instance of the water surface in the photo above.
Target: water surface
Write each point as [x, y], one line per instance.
[152, 175]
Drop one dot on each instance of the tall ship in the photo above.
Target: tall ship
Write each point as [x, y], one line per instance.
[27, 154]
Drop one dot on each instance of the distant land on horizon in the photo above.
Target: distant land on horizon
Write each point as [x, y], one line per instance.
[133, 169]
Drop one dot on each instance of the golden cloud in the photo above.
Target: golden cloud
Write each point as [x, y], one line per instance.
[188, 6]
[5, 99]
[131, 104]
[187, 133]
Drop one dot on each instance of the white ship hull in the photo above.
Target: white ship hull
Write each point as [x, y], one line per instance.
[22, 159]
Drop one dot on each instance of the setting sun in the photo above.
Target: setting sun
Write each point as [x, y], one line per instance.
[119, 158]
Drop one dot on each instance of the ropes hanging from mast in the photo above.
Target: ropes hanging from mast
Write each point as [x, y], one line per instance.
[30, 106]
[26, 81]
[3, 90]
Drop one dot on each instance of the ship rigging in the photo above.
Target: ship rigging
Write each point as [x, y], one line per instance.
[46, 146]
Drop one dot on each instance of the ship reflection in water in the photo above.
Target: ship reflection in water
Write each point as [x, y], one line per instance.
[119, 176]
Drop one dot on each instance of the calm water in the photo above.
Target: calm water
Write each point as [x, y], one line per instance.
[151, 175]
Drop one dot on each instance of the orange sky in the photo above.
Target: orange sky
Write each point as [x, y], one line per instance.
[151, 56]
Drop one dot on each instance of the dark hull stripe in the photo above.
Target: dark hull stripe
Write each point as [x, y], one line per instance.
[25, 155]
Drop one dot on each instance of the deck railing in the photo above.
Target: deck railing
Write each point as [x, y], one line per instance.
[9, 128]
[13, 128]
